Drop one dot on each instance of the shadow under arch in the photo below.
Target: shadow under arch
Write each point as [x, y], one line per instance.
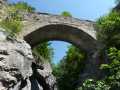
[65, 33]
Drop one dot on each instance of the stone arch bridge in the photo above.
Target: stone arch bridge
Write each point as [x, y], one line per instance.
[39, 27]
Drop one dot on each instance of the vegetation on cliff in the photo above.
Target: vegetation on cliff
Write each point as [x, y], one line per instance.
[45, 50]
[13, 21]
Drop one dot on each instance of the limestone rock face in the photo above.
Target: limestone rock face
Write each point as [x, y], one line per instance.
[18, 70]
[15, 61]
[3, 8]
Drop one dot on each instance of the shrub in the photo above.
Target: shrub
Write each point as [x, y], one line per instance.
[66, 14]
[11, 26]
[44, 50]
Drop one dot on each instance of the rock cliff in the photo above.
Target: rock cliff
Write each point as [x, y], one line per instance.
[18, 70]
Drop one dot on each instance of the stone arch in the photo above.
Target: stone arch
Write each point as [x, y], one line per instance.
[63, 33]
[41, 26]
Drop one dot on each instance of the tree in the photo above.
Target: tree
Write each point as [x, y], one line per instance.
[69, 69]
[109, 34]
[109, 30]
[112, 70]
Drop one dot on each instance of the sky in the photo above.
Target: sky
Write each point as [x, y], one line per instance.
[82, 9]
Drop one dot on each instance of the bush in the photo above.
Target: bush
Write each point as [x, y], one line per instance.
[66, 14]
[11, 26]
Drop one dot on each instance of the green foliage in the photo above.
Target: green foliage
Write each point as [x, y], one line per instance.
[66, 14]
[113, 78]
[21, 6]
[109, 30]
[44, 50]
[13, 23]
[68, 70]
[104, 66]
[112, 71]
[109, 34]
[91, 84]
[12, 26]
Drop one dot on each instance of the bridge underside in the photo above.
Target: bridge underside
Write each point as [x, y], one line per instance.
[63, 33]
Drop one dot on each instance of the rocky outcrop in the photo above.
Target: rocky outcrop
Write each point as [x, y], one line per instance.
[18, 70]
[3, 9]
